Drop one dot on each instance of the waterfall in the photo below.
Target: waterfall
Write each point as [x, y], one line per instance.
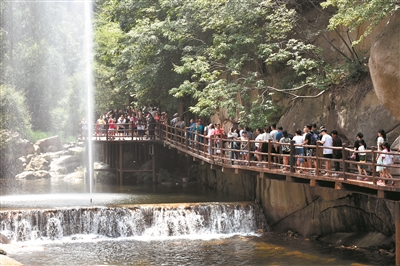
[146, 221]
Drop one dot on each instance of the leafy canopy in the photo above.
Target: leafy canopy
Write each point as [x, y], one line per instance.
[353, 14]
[209, 54]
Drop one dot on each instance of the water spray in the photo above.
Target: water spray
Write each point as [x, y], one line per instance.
[89, 88]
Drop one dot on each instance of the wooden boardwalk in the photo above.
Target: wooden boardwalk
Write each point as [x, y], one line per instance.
[218, 154]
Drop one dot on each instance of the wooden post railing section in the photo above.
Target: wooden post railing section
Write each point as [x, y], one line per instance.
[220, 151]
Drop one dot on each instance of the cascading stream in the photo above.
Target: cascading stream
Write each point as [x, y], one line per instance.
[148, 221]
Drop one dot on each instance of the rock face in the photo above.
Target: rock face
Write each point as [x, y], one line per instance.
[384, 65]
[243, 185]
[323, 211]
[336, 215]
[349, 108]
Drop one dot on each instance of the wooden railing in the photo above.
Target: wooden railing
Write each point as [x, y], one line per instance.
[126, 131]
[221, 151]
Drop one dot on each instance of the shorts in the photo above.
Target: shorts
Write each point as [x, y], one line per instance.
[363, 159]
[299, 151]
[311, 152]
[264, 148]
[330, 156]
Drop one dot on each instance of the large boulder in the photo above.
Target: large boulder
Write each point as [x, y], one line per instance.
[53, 142]
[66, 163]
[12, 147]
[38, 163]
[384, 65]
[31, 175]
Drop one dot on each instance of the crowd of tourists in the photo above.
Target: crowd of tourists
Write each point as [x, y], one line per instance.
[142, 123]
[280, 139]
[120, 123]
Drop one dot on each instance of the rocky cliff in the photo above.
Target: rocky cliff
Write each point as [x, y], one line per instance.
[348, 108]
[337, 216]
[384, 65]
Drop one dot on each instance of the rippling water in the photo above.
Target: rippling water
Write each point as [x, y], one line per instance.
[267, 249]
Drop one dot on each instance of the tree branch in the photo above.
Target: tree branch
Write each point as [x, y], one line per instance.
[295, 96]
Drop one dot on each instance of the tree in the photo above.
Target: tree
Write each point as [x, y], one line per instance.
[41, 50]
[14, 114]
[215, 52]
[353, 14]
[231, 62]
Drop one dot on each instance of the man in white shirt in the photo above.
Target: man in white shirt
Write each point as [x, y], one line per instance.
[327, 142]
[258, 143]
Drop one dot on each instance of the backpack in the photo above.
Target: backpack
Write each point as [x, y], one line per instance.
[286, 148]
[314, 138]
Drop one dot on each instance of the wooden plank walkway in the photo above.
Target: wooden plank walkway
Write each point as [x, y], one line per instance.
[218, 155]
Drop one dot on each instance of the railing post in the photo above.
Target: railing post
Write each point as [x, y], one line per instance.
[221, 148]
[212, 148]
[186, 140]
[248, 152]
[344, 158]
[269, 153]
[132, 129]
[166, 132]
[373, 165]
[291, 157]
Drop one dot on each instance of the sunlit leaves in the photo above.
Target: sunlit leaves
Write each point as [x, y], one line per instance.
[213, 51]
[353, 14]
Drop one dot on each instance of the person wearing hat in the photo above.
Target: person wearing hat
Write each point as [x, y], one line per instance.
[327, 142]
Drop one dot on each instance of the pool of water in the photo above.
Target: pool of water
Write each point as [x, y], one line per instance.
[47, 193]
[269, 249]
[264, 249]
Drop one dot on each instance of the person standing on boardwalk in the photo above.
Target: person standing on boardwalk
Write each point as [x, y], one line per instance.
[360, 145]
[337, 154]
[327, 142]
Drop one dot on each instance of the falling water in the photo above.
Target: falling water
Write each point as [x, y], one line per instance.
[88, 53]
[143, 221]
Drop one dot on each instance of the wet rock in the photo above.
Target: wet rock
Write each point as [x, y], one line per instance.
[4, 240]
[66, 164]
[31, 175]
[44, 144]
[38, 163]
[28, 175]
[37, 149]
[52, 148]
[75, 176]
[75, 151]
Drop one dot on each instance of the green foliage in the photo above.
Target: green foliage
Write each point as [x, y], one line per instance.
[34, 136]
[14, 114]
[353, 14]
[41, 50]
[213, 52]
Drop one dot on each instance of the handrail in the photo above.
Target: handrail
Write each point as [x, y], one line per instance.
[227, 151]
